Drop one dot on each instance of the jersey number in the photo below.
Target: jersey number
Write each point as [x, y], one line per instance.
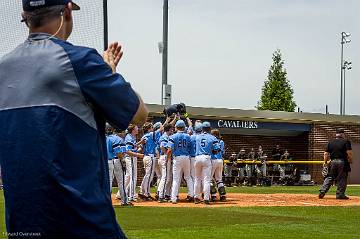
[182, 143]
[203, 143]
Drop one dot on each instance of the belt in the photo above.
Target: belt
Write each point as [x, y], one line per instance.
[181, 155]
[151, 155]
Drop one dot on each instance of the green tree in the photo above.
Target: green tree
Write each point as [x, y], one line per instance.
[277, 94]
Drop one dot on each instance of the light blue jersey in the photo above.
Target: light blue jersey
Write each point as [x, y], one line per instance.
[115, 145]
[180, 144]
[220, 154]
[193, 145]
[206, 144]
[130, 143]
[150, 142]
[163, 142]
[109, 144]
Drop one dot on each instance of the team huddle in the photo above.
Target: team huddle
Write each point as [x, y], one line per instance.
[173, 150]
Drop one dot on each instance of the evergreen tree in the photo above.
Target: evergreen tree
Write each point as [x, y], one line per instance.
[277, 94]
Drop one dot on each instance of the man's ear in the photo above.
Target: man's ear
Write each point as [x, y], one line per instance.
[68, 12]
[23, 18]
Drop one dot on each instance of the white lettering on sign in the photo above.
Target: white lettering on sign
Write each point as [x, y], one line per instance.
[237, 124]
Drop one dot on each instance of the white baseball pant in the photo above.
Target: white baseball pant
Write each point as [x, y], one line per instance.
[166, 176]
[181, 164]
[281, 169]
[131, 177]
[120, 178]
[149, 165]
[157, 170]
[111, 173]
[192, 168]
[202, 173]
[216, 172]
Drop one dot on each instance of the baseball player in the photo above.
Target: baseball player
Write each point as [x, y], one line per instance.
[217, 165]
[179, 147]
[110, 156]
[149, 144]
[241, 167]
[119, 168]
[206, 144]
[165, 165]
[157, 168]
[57, 96]
[197, 131]
[116, 149]
[261, 170]
[131, 161]
[249, 168]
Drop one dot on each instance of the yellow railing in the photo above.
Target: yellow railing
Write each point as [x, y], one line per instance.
[277, 162]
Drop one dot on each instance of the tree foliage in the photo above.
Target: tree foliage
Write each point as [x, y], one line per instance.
[277, 94]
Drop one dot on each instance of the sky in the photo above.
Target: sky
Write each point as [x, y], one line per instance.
[220, 51]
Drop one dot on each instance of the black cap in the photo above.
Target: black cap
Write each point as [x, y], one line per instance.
[32, 5]
[340, 131]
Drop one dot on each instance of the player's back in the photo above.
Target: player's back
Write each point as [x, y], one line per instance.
[205, 144]
[60, 163]
[180, 143]
[151, 140]
[220, 153]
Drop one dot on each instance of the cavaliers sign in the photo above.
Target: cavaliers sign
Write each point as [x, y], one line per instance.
[237, 124]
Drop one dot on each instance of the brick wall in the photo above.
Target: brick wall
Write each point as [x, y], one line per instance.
[319, 136]
[296, 145]
[305, 146]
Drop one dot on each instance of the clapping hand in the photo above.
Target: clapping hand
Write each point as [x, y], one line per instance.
[112, 55]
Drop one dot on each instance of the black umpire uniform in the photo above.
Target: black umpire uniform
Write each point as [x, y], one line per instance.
[339, 165]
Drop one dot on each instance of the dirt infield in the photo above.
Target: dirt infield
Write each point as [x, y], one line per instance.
[261, 200]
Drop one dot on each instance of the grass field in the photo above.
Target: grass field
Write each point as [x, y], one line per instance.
[235, 222]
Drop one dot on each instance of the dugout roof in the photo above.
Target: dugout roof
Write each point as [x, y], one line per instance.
[256, 122]
[261, 115]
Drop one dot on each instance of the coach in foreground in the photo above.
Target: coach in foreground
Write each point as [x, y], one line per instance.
[339, 153]
[54, 100]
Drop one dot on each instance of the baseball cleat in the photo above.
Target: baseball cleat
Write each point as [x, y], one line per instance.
[207, 202]
[141, 195]
[161, 200]
[321, 195]
[151, 198]
[129, 204]
[197, 201]
[222, 198]
[167, 198]
[189, 199]
[343, 197]
[213, 198]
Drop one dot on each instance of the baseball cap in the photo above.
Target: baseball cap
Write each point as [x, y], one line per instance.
[180, 123]
[198, 127]
[206, 125]
[157, 125]
[340, 131]
[32, 5]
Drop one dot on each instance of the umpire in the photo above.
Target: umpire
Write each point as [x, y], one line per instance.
[54, 100]
[339, 152]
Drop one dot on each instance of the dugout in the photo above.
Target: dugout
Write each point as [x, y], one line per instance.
[304, 135]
